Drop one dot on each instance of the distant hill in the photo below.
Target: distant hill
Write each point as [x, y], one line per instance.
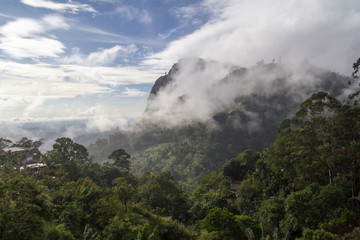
[195, 120]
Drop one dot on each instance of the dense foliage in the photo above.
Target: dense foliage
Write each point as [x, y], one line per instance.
[304, 187]
[74, 198]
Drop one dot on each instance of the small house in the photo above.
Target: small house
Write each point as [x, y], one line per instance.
[25, 154]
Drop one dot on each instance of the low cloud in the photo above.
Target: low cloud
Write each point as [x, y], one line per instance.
[200, 89]
[106, 123]
[188, 97]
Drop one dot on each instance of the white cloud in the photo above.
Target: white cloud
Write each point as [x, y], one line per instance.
[186, 12]
[26, 99]
[69, 75]
[105, 122]
[35, 103]
[55, 22]
[131, 13]
[101, 36]
[31, 48]
[105, 1]
[22, 27]
[26, 38]
[101, 121]
[108, 75]
[244, 32]
[195, 94]
[163, 36]
[104, 57]
[70, 6]
[101, 57]
[189, 15]
[7, 16]
[133, 92]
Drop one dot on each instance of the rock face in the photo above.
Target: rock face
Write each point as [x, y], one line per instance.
[161, 83]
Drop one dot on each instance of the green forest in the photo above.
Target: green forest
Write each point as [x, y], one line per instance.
[304, 186]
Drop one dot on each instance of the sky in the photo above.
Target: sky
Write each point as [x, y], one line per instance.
[98, 59]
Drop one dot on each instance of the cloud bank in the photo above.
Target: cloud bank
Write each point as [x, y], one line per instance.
[200, 89]
[243, 32]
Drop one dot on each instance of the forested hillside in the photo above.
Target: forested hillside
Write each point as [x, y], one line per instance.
[246, 105]
[306, 186]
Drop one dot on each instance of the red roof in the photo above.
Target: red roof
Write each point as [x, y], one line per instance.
[15, 149]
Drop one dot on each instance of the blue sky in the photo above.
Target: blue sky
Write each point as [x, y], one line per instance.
[83, 59]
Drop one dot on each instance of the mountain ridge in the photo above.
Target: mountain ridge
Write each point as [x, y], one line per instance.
[249, 119]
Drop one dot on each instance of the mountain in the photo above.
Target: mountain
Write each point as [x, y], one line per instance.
[203, 113]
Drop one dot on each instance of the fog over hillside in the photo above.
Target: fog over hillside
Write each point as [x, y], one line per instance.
[203, 113]
[198, 89]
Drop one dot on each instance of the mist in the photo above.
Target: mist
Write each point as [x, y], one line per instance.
[83, 131]
[200, 89]
[243, 32]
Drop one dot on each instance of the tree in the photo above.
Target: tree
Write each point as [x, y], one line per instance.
[75, 157]
[28, 143]
[356, 67]
[316, 206]
[71, 151]
[5, 143]
[271, 212]
[59, 232]
[305, 148]
[237, 167]
[213, 191]
[24, 204]
[225, 224]
[120, 159]
[124, 191]
[165, 195]
[310, 234]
